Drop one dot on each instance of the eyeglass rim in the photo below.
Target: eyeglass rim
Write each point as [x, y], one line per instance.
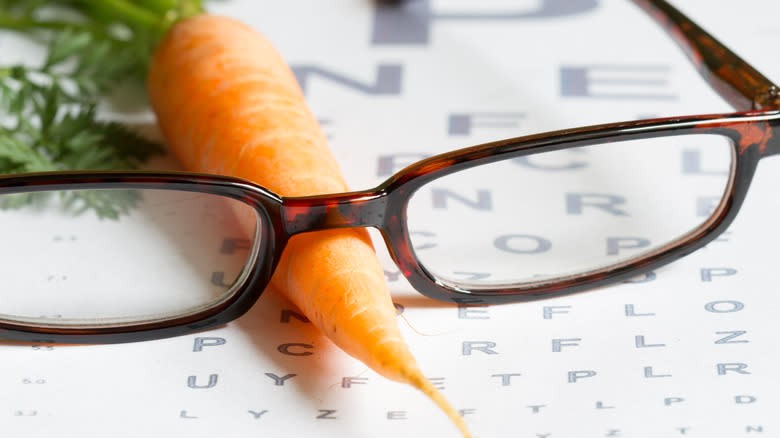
[395, 194]
[750, 90]
[239, 300]
[740, 128]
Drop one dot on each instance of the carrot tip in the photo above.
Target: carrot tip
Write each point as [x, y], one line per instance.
[417, 380]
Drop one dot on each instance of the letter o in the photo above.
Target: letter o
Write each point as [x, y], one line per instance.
[504, 243]
[734, 306]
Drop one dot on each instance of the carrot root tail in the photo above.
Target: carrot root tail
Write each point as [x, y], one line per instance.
[419, 381]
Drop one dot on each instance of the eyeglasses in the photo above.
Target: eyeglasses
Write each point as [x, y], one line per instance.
[507, 221]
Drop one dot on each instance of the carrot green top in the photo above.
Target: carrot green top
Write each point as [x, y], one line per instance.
[93, 47]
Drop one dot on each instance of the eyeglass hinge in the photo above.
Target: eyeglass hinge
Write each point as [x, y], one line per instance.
[769, 100]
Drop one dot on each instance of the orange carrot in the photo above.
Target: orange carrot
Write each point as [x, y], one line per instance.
[228, 104]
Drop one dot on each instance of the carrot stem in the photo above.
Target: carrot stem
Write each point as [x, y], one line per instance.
[127, 12]
[173, 10]
[28, 23]
[159, 6]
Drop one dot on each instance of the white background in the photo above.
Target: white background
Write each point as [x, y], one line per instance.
[499, 66]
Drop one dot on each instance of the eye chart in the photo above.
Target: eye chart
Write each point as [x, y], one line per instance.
[689, 350]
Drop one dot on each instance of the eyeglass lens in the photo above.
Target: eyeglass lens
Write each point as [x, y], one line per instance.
[567, 212]
[168, 254]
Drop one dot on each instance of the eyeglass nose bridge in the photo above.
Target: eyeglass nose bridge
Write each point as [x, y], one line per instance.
[344, 210]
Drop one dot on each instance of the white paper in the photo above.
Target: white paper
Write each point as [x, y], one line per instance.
[689, 351]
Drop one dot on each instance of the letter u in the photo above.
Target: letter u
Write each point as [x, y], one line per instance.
[192, 382]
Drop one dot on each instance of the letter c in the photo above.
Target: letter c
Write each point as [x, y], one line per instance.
[287, 349]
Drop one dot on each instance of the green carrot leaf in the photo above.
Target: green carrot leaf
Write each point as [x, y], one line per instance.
[48, 116]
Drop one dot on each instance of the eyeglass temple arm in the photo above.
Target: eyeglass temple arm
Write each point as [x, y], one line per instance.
[735, 80]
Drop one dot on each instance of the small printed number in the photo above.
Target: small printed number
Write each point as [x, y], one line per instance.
[28, 381]
[25, 413]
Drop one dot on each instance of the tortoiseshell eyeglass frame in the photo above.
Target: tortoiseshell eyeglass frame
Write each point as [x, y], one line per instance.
[753, 129]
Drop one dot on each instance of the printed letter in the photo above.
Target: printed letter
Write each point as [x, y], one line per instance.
[483, 346]
[708, 273]
[192, 382]
[522, 244]
[736, 367]
[506, 378]
[670, 400]
[639, 341]
[583, 81]
[549, 311]
[347, 382]
[731, 335]
[206, 342]
[724, 306]
[569, 342]
[630, 311]
[576, 375]
[409, 23]
[744, 399]
[279, 381]
[615, 244]
[288, 349]
[576, 202]
[388, 79]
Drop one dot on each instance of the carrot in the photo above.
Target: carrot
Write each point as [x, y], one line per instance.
[228, 104]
